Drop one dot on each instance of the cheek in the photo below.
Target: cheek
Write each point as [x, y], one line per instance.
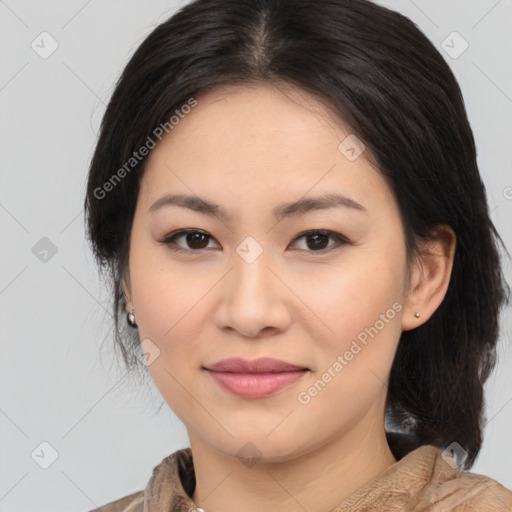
[361, 305]
[363, 312]
[169, 311]
[167, 303]
[353, 298]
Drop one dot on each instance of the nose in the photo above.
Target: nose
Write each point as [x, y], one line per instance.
[254, 301]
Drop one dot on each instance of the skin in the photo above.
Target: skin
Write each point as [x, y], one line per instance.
[250, 149]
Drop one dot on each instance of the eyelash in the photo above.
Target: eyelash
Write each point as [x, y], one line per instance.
[339, 240]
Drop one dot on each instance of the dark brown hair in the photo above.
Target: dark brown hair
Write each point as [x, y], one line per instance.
[382, 77]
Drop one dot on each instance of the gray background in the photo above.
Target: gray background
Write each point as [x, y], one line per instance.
[57, 386]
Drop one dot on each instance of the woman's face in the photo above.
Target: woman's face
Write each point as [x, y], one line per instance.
[249, 282]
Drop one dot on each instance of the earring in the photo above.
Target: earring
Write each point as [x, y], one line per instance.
[131, 319]
[417, 315]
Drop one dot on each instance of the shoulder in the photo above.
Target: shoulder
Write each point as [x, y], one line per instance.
[131, 503]
[428, 479]
[459, 491]
[164, 486]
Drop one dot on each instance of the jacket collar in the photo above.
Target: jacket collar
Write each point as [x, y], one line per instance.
[173, 481]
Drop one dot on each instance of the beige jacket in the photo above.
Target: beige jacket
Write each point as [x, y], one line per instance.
[420, 481]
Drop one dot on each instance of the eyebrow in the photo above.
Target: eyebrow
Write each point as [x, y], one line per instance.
[294, 209]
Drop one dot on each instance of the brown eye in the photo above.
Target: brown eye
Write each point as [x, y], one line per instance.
[194, 240]
[319, 240]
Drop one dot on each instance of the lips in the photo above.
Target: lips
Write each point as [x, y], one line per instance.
[255, 379]
[262, 365]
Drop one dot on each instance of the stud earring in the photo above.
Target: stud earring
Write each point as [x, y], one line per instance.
[131, 319]
[417, 315]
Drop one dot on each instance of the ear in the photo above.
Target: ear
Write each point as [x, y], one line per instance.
[430, 277]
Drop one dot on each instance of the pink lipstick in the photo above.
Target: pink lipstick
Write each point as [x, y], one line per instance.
[255, 379]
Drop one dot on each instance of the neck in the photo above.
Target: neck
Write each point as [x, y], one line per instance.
[316, 481]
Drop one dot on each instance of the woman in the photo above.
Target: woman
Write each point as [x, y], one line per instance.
[287, 200]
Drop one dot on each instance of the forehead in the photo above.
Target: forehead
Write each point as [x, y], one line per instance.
[262, 142]
[270, 115]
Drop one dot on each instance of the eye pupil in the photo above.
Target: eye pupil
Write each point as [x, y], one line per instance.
[321, 241]
[195, 239]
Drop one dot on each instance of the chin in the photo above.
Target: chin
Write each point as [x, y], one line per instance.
[250, 449]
